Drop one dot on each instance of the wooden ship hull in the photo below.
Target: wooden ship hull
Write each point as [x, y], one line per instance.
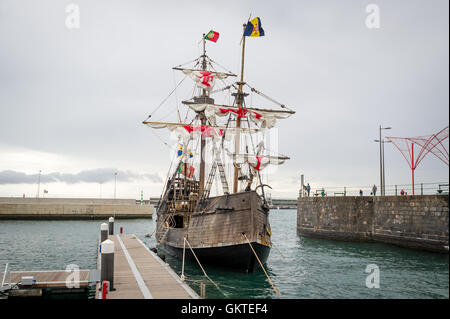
[216, 231]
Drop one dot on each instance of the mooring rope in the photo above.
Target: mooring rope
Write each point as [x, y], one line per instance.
[204, 272]
[184, 254]
[278, 250]
[150, 235]
[164, 236]
[260, 263]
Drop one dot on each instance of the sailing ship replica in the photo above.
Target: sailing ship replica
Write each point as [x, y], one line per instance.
[231, 228]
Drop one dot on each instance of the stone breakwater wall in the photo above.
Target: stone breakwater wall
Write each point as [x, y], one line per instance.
[419, 222]
[71, 208]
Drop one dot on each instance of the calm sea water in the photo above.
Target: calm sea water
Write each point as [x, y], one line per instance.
[299, 267]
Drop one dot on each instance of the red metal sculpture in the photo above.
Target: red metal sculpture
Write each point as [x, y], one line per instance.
[425, 144]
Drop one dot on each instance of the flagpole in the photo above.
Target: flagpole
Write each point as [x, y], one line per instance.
[240, 100]
[242, 63]
[204, 57]
[203, 122]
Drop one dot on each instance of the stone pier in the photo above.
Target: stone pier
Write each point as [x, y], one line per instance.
[419, 222]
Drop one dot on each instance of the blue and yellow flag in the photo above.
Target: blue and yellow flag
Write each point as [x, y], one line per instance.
[253, 28]
[181, 150]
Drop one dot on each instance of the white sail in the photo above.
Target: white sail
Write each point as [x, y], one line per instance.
[215, 132]
[204, 79]
[256, 162]
[266, 118]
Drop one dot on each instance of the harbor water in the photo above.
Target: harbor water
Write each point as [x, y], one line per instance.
[299, 267]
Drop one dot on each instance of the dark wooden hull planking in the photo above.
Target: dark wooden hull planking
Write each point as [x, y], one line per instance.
[238, 257]
[215, 232]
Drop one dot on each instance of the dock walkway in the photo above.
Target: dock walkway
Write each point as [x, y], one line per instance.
[140, 274]
[51, 278]
[47, 284]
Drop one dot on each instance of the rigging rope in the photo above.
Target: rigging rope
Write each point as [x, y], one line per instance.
[161, 139]
[254, 150]
[211, 60]
[166, 97]
[176, 98]
[189, 62]
[268, 97]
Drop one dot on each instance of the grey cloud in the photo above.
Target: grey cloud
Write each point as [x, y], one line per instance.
[86, 91]
[99, 175]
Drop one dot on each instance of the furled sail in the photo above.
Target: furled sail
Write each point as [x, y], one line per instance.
[266, 118]
[204, 79]
[256, 162]
[195, 130]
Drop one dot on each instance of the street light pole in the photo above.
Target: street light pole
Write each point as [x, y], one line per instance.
[381, 166]
[384, 178]
[382, 181]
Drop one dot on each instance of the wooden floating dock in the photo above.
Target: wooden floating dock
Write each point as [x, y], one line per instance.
[48, 284]
[51, 278]
[140, 274]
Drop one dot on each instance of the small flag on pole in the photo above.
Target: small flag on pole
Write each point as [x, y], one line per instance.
[186, 169]
[212, 36]
[253, 28]
[181, 151]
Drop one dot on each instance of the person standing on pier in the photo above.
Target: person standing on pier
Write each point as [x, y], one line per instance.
[360, 192]
[308, 189]
[374, 190]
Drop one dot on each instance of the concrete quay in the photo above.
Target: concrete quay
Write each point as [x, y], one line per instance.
[71, 208]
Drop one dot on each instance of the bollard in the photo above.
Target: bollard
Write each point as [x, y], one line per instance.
[121, 230]
[202, 290]
[111, 225]
[103, 232]
[107, 263]
[105, 289]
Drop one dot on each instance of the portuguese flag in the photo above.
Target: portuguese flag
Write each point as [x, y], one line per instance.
[186, 169]
[212, 36]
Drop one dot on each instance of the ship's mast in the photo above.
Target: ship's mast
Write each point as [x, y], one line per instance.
[240, 103]
[203, 121]
[199, 102]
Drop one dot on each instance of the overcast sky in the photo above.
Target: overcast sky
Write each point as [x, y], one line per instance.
[72, 99]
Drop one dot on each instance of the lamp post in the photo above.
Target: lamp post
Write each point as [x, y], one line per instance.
[382, 190]
[384, 179]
